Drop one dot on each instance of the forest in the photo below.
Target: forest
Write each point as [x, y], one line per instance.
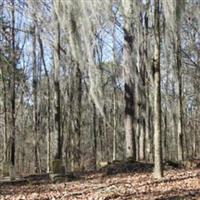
[99, 99]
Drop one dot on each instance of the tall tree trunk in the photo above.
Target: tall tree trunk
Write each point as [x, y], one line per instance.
[94, 135]
[114, 126]
[105, 135]
[5, 147]
[6, 143]
[101, 135]
[70, 147]
[173, 152]
[158, 171]
[180, 104]
[79, 110]
[129, 120]
[57, 116]
[48, 137]
[130, 68]
[114, 150]
[57, 164]
[146, 90]
[165, 150]
[147, 127]
[142, 86]
[13, 96]
[35, 102]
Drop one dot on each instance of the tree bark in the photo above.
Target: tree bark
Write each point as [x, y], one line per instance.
[94, 136]
[57, 108]
[5, 99]
[48, 137]
[158, 171]
[79, 110]
[130, 68]
[35, 103]
[180, 104]
[13, 96]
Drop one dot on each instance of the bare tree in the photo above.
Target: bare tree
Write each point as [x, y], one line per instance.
[129, 70]
[13, 95]
[158, 171]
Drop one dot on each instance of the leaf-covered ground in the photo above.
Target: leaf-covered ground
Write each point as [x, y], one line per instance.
[139, 185]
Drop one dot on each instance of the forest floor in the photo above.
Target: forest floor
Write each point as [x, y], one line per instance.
[124, 181]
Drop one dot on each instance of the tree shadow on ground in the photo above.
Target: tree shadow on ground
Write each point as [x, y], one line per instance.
[127, 167]
[37, 180]
[170, 180]
[178, 194]
[137, 167]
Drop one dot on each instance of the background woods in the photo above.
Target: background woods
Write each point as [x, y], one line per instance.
[86, 82]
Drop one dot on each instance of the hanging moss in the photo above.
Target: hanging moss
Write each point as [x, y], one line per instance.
[83, 19]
